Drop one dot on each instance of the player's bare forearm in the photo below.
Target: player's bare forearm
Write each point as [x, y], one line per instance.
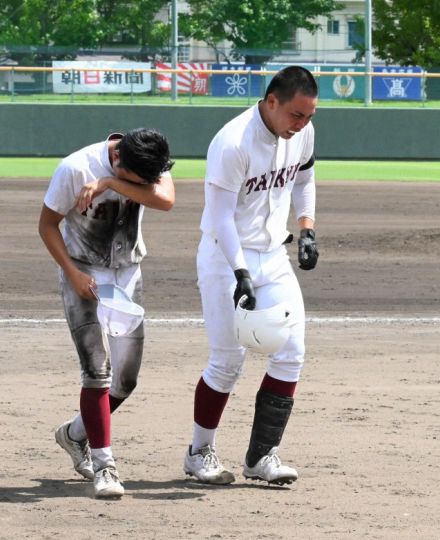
[160, 196]
[52, 237]
[306, 223]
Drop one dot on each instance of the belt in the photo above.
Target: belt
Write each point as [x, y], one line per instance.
[289, 239]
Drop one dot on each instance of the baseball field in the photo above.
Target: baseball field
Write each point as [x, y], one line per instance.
[365, 430]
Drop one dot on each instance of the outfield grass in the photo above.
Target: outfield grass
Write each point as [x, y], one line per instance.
[186, 99]
[403, 171]
[407, 171]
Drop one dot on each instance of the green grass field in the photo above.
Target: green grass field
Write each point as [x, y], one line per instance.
[186, 99]
[403, 171]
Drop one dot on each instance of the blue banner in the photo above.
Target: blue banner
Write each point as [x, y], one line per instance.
[236, 84]
[393, 85]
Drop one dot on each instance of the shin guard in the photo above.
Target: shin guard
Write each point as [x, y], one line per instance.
[272, 413]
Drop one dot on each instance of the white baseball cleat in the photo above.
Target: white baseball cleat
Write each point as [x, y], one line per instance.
[107, 484]
[78, 451]
[270, 469]
[206, 467]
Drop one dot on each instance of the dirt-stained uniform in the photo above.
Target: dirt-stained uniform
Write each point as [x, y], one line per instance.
[99, 193]
[106, 242]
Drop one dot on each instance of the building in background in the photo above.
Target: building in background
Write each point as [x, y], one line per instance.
[335, 42]
[332, 44]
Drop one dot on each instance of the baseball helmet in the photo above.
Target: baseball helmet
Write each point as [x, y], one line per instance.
[263, 330]
[117, 313]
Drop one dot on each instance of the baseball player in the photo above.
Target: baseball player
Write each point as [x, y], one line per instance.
[100, 192]
[258, 165]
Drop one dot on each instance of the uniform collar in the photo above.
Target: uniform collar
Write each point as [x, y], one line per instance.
[267, 135]
[105, 154]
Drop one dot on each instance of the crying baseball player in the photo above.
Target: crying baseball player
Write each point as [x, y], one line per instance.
[258, 166]
[99, 193]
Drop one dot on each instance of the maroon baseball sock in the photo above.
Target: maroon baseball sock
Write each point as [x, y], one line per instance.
[275, 386]
[95, 412]
[208, 405]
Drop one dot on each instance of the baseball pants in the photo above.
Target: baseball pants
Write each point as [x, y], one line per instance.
[274, 282]
[106, 361]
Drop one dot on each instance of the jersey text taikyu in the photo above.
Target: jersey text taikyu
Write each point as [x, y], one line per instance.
[277, 179]
[246, 158]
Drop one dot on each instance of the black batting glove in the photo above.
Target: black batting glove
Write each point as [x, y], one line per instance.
[244, 288]
[307, 250]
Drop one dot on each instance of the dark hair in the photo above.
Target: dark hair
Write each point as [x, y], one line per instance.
[146, 153]
[290, 81]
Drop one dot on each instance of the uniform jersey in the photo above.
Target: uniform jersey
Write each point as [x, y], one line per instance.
[246, 158]
[108, 233]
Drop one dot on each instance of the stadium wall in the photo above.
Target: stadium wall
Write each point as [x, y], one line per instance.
[344, 133]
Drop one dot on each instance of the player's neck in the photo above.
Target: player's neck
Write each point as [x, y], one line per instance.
[111, 150]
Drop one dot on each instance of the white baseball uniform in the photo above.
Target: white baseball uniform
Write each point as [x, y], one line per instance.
[253, 177]
[105, 241]
[108, 233]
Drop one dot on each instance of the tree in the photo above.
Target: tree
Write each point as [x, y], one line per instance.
[407, 32]
[359, 44]
[133, 23]
[34, 25]
[35, 30]
[256, 28]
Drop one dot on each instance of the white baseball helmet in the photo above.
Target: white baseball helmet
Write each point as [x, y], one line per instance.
[263, 330]
[117, 313]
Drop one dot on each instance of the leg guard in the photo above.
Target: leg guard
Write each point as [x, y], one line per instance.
[272, 413]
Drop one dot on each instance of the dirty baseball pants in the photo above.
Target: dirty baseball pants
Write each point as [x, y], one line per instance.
[274, 281]
[106, 361]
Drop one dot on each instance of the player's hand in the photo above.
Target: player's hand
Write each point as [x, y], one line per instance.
[84, 284]
[307, 250]
[244, 288]
[89, 192]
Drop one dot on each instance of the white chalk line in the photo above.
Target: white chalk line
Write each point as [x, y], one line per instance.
[189, 321]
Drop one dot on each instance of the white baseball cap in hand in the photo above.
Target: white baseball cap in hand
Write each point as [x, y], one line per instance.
[117, 313]
[263, 330]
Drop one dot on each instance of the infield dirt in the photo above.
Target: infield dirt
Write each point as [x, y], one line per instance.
[365, 431]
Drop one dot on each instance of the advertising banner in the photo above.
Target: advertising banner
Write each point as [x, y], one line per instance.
[341, 86]
[395, 86]
[236, 84]
[187, 82]
[101, 77]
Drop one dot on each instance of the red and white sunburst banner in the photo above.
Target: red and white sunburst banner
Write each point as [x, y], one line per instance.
[187, 82]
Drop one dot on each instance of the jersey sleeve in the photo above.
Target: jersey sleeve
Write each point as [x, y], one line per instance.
[222, 204]
[308, 154]
[226, 165]
[63, 190]
[304, 189]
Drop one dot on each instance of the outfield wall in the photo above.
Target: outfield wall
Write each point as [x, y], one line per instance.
[344, 133]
